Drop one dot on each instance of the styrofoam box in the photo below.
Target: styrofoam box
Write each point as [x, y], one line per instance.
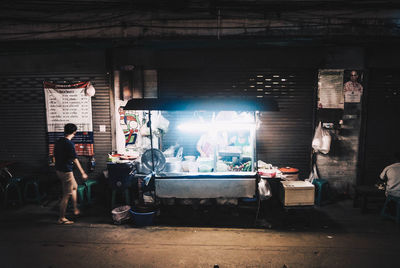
[297, 193]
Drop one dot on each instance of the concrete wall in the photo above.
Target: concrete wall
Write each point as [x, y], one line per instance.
[340, 165]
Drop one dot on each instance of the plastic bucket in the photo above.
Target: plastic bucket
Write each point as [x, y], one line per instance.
[120, 214]
[142, 218]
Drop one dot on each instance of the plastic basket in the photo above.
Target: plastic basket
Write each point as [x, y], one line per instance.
[121, 214]
[142, 218]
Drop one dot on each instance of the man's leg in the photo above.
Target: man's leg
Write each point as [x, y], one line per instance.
[66, 189]
[74, 198]
[63, 206]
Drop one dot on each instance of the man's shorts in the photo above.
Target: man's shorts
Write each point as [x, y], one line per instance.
[68, 182]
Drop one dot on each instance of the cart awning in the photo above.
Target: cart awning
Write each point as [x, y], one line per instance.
[198, 104]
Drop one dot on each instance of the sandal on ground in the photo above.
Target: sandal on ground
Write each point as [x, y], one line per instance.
[64, 222]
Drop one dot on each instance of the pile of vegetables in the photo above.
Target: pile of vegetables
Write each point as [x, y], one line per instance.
[243, 167]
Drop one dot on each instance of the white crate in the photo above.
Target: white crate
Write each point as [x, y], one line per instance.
[297, 193]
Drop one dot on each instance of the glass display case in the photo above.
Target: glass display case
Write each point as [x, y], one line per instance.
[206, 142]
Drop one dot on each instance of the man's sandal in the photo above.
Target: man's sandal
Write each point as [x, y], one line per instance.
[64, 222]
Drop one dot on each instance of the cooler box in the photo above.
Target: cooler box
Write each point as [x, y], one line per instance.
[297, 193]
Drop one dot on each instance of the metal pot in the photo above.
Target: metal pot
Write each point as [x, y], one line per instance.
[175, 166]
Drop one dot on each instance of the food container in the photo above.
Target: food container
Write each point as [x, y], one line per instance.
[193, 167]
[222, 167]
[190, 158]
[127, 157]
[173, 167]
[205, 168]
[289, 173]
[113, 157]
[267, 173]
[173, 164]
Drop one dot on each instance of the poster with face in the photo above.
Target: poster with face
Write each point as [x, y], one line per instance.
[352, 87]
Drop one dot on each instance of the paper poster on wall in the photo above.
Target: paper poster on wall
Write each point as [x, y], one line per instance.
[353, 89]
[70, 103]
[330, 89]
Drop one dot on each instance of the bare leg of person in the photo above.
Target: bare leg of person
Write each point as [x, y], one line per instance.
[75, 203]
[63, 208]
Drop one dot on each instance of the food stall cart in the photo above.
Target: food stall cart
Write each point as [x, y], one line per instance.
[225, 128]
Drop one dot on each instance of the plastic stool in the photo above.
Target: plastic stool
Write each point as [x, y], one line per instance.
[384, 214]
[33, 184]
[89, 184]
[321, 186]
[13, 184]
[126, 192]
[81, 193]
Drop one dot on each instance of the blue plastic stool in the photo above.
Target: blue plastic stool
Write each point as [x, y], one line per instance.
[321, 187]
[89, 184]
[385, 214]
[34, 195]
[13, 184]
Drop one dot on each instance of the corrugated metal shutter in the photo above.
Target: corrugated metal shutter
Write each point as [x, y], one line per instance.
[23, 117]
[382, 130]
[284, 138]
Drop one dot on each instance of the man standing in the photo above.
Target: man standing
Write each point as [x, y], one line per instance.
[392, 174]
[65, 156]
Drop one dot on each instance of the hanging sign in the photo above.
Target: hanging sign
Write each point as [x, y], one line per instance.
[70, 103]
[330, 89]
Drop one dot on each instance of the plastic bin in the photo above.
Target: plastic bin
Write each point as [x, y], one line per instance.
[142, 218]
[120, 214]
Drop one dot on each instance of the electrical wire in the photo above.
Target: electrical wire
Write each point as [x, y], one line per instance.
[303, 19]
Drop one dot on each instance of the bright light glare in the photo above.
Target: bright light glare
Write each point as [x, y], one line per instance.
[203, 127]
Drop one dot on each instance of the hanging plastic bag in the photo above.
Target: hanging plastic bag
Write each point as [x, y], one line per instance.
[326, 141]
[90, 90]
[322, 140]
[313, 174]
[317, 140]
[264, 189]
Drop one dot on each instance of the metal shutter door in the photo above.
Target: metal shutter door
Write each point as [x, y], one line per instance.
[284, 138]
[23, 117]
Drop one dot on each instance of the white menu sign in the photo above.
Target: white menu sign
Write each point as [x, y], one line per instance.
[330, 89]
[68, 104]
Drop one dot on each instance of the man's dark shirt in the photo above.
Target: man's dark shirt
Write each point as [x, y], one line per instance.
[64, 152]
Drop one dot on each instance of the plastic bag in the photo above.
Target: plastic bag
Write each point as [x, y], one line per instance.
[326, 142]
[170, 151]
[322, 140]
[179, 154]
[264, 189]
[313, 174]
[90, 90]
[263, 165]
[317, 140]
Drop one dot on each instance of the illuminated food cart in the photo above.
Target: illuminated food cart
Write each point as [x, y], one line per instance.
[209, 150]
